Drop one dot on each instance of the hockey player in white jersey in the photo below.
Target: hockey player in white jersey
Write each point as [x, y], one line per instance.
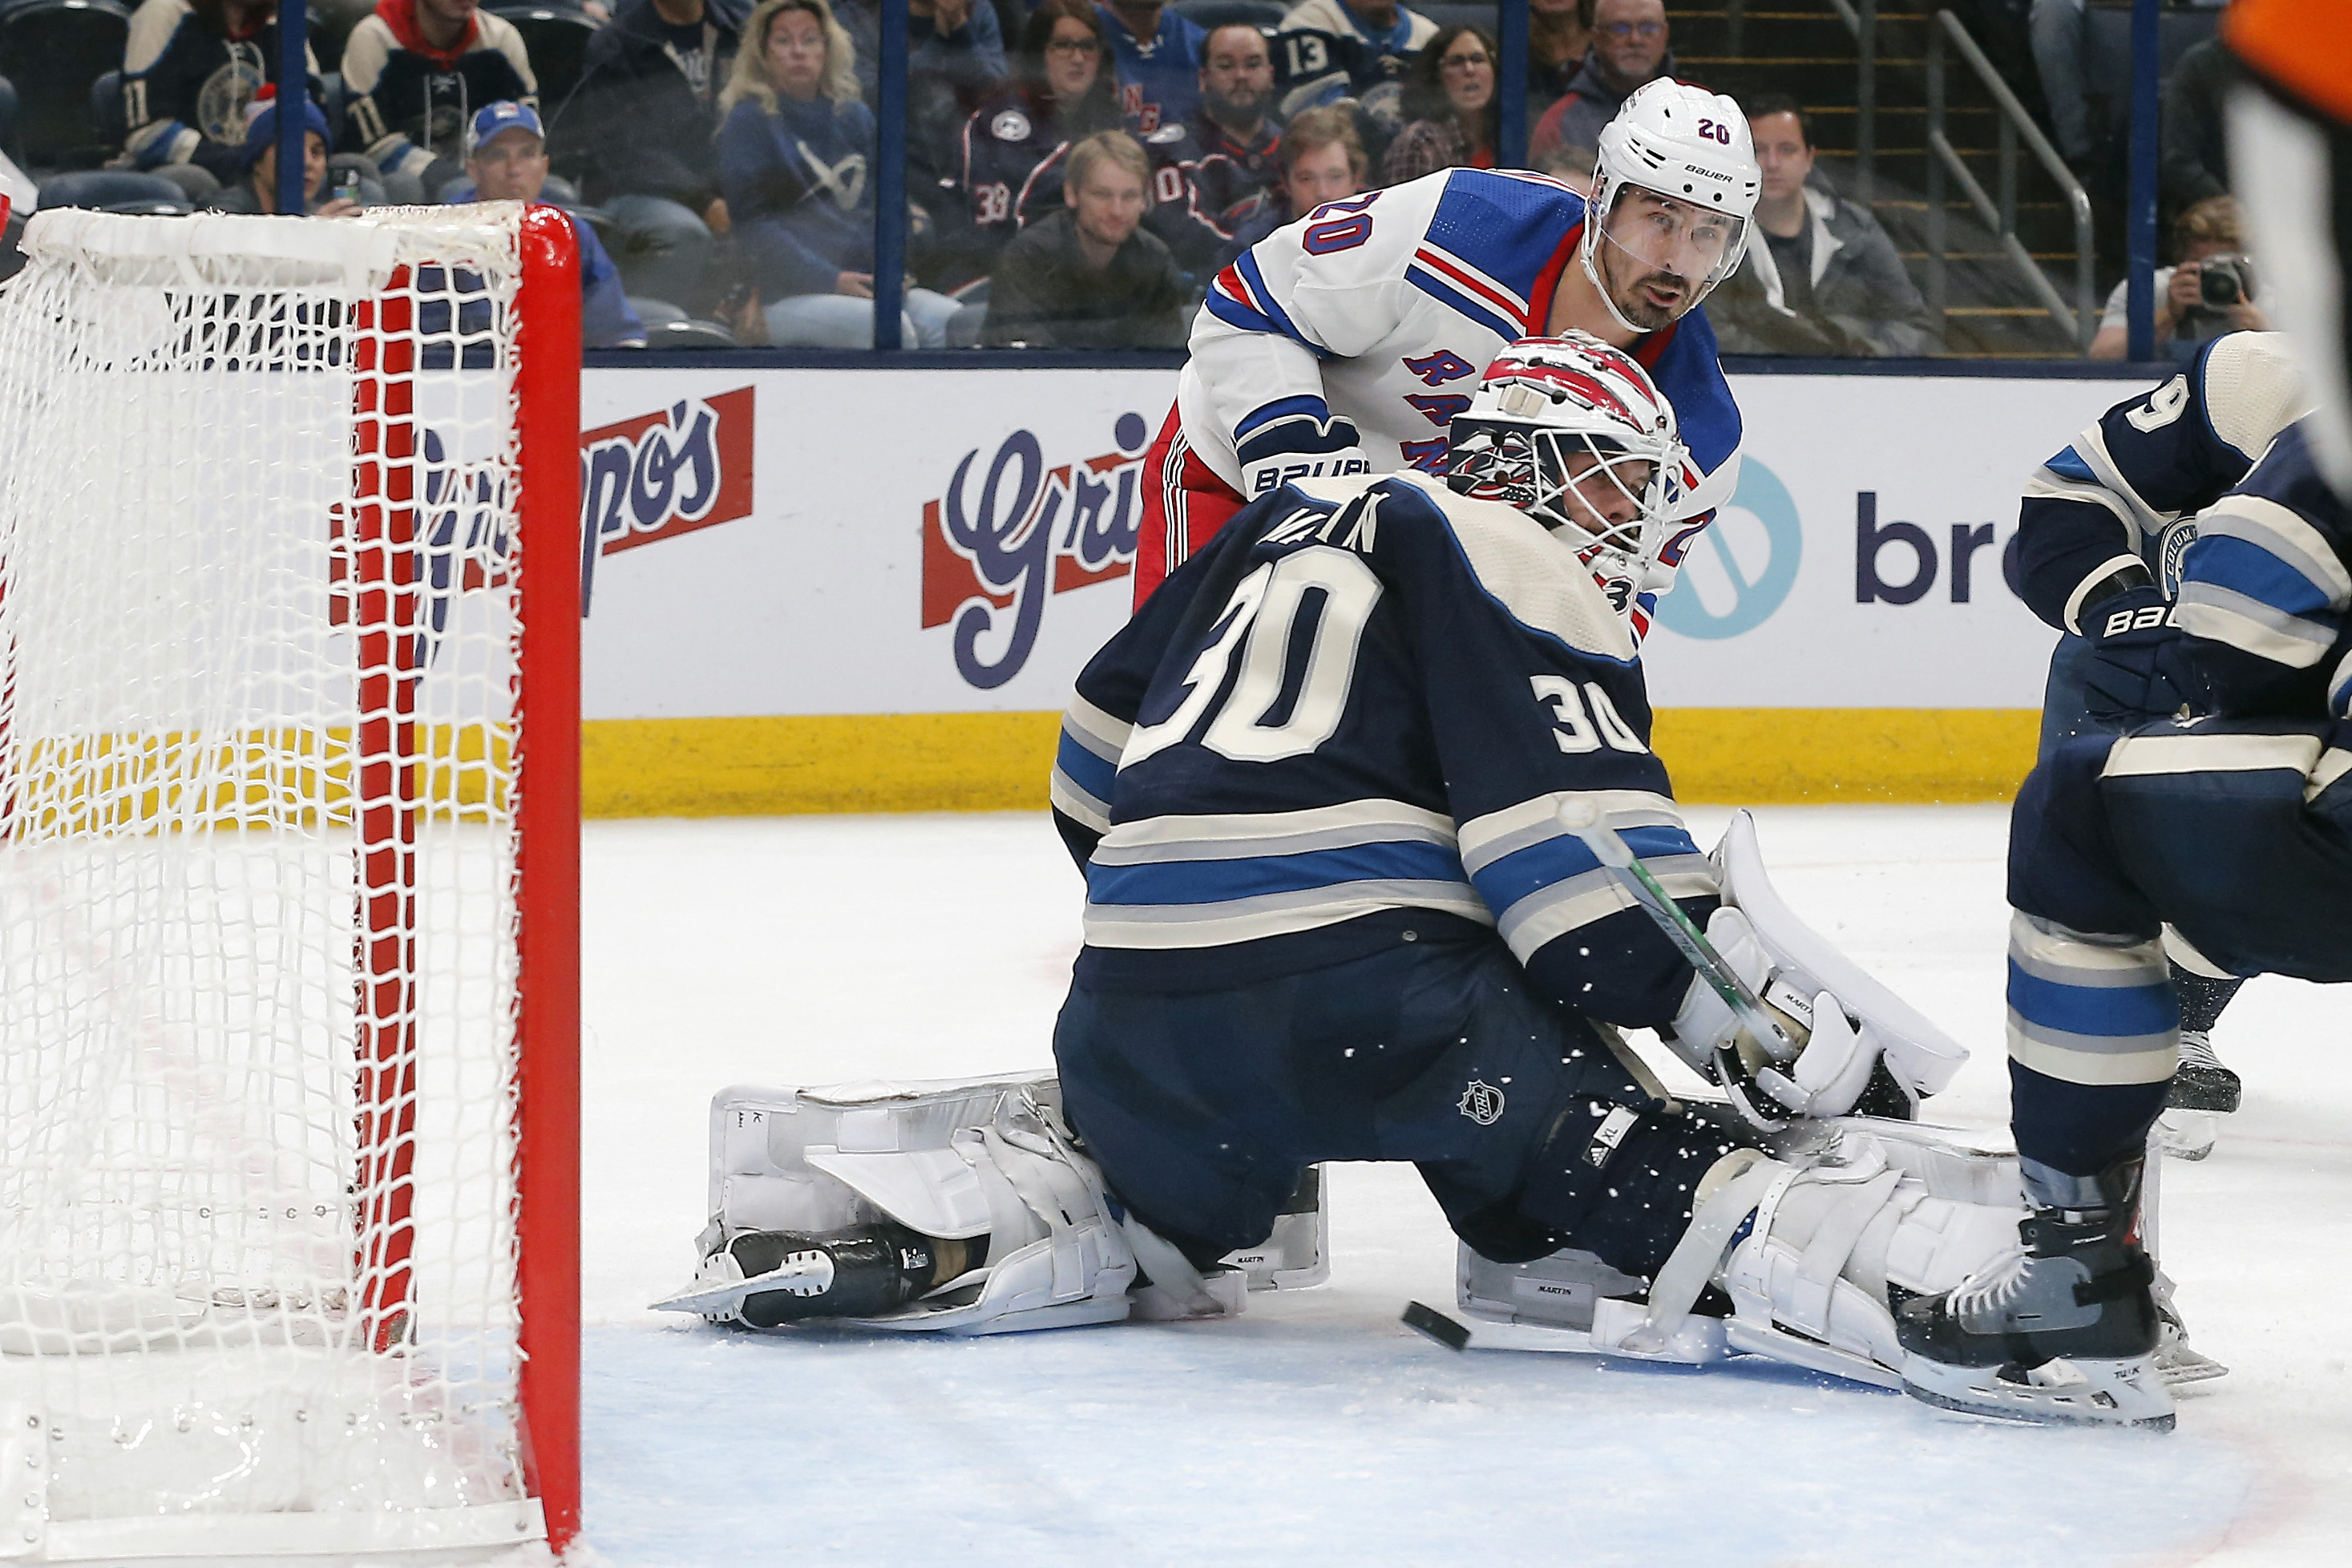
[1348, 341]
[1337, 912]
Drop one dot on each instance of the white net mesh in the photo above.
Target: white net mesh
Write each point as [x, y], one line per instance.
[258, 857]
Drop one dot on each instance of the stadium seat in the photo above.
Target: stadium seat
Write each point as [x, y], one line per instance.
[555, 34]
[107, 122]
[8, 142]
[1224, 13]
[53, 50]
[113, 191]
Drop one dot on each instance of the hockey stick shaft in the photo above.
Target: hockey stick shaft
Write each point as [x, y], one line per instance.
[1609, 847]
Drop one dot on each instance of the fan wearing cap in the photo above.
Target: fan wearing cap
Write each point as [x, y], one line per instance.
[1348, 341]
[259, 191]
[506, 160]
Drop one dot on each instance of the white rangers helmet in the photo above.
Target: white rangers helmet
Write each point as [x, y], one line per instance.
[1692, 147]
[1550, 414]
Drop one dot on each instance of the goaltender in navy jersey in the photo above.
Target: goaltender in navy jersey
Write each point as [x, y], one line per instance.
[2118, 506]
[1368, 322]
[1352, 721]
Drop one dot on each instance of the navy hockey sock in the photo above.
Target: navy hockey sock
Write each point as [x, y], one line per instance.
[2080, 1128]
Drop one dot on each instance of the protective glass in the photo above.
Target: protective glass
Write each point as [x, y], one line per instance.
[1664, 234]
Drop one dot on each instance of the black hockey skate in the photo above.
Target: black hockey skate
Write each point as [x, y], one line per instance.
[767, 1278]
[2202, 1083]
[2063, 1331]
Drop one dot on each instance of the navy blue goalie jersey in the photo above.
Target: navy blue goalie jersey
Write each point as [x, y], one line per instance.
[1352, 721]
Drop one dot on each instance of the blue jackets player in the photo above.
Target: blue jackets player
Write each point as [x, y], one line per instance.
[1348, 341]
[1332, 913]
[2232, 828]
[2102, 533]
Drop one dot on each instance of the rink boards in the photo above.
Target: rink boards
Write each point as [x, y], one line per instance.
[874, 588]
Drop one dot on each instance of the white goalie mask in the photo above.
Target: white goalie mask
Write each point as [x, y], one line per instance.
[1673, 191]
[1573, 433]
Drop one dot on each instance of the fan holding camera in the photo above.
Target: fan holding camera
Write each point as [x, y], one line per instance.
[2210, 290]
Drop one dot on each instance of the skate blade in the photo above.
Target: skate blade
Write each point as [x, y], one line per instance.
[2129, 1392]
[2179, 1364]
[2187, 1134]
[713, 1296]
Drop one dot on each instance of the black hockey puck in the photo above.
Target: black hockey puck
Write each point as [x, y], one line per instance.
[1436, 1325]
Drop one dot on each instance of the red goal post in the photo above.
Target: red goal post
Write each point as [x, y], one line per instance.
[289, 884]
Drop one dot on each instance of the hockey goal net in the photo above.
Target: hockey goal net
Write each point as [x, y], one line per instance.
[288, 824]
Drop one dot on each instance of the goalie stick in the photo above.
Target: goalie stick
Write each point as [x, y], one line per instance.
[1580, 817]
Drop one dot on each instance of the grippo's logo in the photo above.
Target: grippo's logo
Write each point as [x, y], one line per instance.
[1012, 532]
[662, 475]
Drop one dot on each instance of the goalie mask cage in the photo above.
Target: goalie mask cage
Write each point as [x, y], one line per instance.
[288, 885]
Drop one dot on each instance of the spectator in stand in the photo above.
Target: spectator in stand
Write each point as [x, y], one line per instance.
[2194, 156]
[793, 157]
[1157, 54]
[1558, 33]
[1090, 276]
[960, 42]
[1235, 135]
[644, 116]
[2207, 234]
[414, 74]
[1450, 102]
[1016, 142]
[258, 191]
[2059, 54]
[1821, 277]
[1630, 46]
[1389, 35]
[506, 160]
[1322, 160]
[191, 71]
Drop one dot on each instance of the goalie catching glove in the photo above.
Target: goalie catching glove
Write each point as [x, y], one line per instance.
[1861, 1048]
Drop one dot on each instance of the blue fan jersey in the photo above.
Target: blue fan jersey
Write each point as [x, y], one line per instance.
[1352, 721]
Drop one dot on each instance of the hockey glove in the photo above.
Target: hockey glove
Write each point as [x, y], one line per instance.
[2132, 670]
[1271, 473]
[1836, 1059]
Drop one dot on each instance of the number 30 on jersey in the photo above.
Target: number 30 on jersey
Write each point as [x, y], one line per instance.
[1257, 631]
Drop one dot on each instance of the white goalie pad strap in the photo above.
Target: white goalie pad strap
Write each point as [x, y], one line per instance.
[1919, 1054]
[1056, 1256]
[1809, 1283]
[935, 1190]
[1739, 1181]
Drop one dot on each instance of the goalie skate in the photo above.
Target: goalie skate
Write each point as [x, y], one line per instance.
[1806, 1245]
[814, 1180]
[2061, 1329]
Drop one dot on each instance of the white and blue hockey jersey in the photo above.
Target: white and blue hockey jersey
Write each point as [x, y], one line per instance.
[2118, 507]
[2265, 592]
[1352, 721]
[1367, 323]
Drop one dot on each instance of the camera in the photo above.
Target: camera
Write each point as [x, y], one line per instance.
[2222, 279]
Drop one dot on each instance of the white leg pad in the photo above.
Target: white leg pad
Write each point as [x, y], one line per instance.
[1809, 1280]
[949, 1160]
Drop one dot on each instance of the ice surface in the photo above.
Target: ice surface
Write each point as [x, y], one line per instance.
[1316, 1429]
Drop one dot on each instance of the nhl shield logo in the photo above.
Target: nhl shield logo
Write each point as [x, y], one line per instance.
[1482, 1103]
